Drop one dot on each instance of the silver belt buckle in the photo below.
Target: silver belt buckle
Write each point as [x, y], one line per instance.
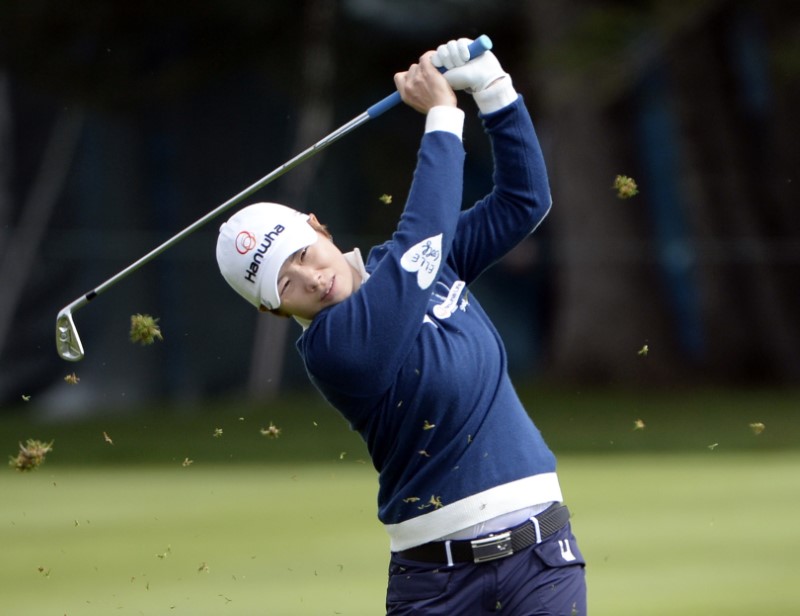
[492, 548]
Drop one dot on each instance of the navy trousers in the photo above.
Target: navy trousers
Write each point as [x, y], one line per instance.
[547, 579]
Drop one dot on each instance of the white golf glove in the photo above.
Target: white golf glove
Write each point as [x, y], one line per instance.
[465, 74]
[475, 76]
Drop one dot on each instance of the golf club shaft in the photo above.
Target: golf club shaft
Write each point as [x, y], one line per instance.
[65, 330]
[478, 46]
[273, 175]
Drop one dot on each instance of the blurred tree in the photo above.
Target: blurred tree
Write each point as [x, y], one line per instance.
[738, 210]
[18, 254]
[698, 265]
[314, 120]
[605, 303]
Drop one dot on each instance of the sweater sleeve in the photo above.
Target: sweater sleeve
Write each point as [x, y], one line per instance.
[518, 202]
[357, 347]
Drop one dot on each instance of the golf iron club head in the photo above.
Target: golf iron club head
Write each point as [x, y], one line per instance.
[68, 343]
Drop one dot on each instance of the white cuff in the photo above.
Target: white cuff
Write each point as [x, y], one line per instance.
[448, 119]
[496, 96]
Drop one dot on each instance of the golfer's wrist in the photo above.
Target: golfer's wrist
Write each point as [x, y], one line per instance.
[445, 118]
[499, 94]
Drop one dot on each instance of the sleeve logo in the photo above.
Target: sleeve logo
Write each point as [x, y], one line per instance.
[424, 258]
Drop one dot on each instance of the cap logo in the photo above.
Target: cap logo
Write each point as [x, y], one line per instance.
[252, 270]
[245, 242]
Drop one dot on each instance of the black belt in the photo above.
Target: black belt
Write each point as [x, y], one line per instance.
[492, 547]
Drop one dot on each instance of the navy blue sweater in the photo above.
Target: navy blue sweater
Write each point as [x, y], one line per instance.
[412, 361]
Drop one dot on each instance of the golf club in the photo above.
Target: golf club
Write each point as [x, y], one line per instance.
[68, 342]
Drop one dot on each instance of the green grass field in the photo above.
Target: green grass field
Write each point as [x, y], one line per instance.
[667, 534]
[692, 515]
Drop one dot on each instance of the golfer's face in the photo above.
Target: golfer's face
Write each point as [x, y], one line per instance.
[315, 277]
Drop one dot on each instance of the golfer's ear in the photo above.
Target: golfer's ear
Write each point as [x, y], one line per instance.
[312, 218]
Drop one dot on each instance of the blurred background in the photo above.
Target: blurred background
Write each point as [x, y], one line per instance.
[123, 123]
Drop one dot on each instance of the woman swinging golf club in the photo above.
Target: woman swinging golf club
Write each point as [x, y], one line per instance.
[468, 488]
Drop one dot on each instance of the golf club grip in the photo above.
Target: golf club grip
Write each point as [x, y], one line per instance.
[476, 48]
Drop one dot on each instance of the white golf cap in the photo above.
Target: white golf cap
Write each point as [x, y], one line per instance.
[253, 245]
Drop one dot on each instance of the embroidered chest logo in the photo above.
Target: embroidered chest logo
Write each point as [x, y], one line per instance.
[450, 304]
[449, 300]
[424, 258]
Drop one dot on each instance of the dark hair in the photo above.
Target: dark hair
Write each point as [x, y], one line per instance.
[318, 226]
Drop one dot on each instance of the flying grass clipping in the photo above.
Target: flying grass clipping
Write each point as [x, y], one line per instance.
[31, 455]
[625, 187]
[272, 431]
[144, 329]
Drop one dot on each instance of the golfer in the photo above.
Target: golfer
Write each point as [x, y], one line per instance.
[468, 490]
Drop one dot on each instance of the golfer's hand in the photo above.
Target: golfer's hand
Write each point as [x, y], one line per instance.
[471, 75]
[422, 86]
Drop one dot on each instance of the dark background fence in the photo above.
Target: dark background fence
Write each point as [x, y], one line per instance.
[120, 124]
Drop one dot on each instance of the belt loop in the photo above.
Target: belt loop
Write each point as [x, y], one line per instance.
[538, 530]
[449, 553]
